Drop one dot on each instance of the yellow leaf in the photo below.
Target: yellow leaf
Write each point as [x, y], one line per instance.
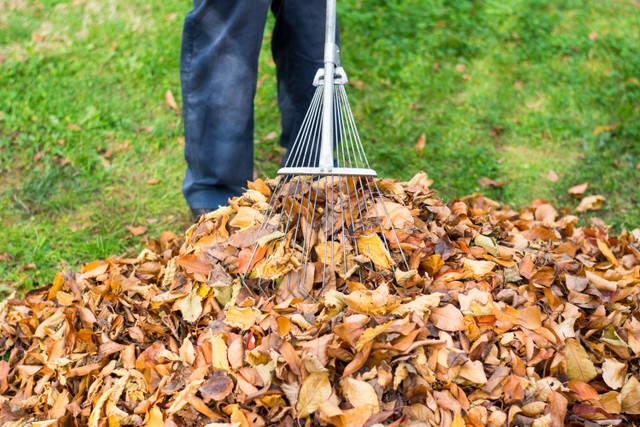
[360, 394]
[356, 417]
[219, 358]
[372, 247]
[331, 414]
[260, 186]
[315, 389]
[478, 268]
[602, 128]
[191, 306]
[377, 301]
[419, 305]
[329, 253]
[458, 421]
[604, 248]
[242, 318]
[630, 395]
[246, 218]
[405, 277]
[98, 408]
[155, 418]
[371, 333]
[486, 243]
[579, 365]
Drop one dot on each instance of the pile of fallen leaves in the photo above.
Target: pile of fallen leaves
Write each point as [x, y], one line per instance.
[506, 318]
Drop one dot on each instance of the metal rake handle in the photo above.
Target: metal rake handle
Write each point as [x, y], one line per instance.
[331, 60]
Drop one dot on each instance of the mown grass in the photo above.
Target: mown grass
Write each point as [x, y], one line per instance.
[504, 89]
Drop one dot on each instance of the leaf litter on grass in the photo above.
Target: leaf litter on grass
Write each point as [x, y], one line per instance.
[504, 318]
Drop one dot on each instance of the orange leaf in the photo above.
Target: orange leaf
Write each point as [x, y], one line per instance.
[583, 390]
[558, 408]
[194, 263]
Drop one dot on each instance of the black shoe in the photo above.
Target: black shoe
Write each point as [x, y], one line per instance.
[196, 213]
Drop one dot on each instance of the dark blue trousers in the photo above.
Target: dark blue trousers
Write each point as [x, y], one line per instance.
[219, 66]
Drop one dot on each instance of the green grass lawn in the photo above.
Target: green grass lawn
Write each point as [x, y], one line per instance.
[504, 89]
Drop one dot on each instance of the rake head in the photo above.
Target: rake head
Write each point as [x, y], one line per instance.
[327, 225]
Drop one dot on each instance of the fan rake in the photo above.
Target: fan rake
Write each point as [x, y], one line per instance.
[327, 224]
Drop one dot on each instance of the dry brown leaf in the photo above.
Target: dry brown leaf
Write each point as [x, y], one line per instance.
[558, 408]
[377, 301]
[137, 230]
[314, 390]
[420, 305]
[217, 387]
[488, 182]
[171, 101]
[422, 141]
[601, 283]
[590, 203]
[606, 251]
[630, 395]
[478, 268]
[360, 394]
[578, 190]
[579, 365]
[613, 373]
[242, 318]
[372, 247]
[473, 372]
[448, 318]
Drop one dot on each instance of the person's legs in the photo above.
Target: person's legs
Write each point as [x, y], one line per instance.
[298, 49]
[219, 64]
